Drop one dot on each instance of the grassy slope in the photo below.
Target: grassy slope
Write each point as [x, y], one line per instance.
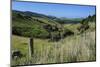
[71, 49]
[24, 19]
[31, 26]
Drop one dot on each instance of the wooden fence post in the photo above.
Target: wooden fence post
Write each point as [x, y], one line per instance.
[31, 47]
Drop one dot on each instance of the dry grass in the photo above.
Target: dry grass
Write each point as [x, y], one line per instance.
[71, 49]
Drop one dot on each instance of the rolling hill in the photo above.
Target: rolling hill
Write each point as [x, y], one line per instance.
[30, 24]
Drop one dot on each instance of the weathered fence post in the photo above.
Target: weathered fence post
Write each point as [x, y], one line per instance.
[31, 47]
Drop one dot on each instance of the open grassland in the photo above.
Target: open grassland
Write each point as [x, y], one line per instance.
[42, 39]
[70, 49]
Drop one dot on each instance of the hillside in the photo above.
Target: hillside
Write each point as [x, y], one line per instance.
[23, 23]
[30, 24]
[55, 40]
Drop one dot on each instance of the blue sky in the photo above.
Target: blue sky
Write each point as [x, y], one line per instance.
[58, 10]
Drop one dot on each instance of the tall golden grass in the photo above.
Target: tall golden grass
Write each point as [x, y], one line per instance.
[73, 48]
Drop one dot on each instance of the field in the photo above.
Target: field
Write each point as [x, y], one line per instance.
[47, 39]
[74, 48]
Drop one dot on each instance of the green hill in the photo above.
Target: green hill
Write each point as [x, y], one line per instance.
[31, 24]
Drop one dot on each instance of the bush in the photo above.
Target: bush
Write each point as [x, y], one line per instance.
[30, 32]
[68, 32]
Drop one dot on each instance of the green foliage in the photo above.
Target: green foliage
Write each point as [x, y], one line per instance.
[85, 23]
[30, 26]
[30, 32]
[33, 26]
[88, 19]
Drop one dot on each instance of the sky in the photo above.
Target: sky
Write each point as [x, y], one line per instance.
[58, 10]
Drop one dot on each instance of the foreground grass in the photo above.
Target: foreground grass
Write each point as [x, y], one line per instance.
[71, 49]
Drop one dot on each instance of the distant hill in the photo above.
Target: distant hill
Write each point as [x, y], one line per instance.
[31, 24]
[28, 13]
[69, 21]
